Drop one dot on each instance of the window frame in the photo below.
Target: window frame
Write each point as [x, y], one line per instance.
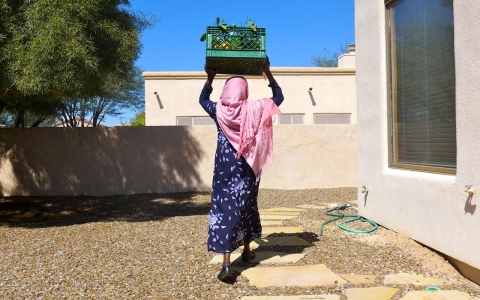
[392, 118]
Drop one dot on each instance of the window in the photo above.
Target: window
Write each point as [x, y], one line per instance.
[331, 118]
[291, 119]
[422, 80]
[189, 121]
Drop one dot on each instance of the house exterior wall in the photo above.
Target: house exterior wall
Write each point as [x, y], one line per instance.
[162, 159]
[333, 91]
[430, 208]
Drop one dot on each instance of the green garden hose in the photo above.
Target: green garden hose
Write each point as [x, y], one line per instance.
[353, 218]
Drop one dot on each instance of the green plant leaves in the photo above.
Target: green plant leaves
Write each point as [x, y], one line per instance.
[224, 27]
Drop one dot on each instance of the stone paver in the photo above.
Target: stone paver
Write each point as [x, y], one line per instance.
[276, 230]
[280, 241]
[358, 279]
[308, 206]
[284, 213]
[303, 297]
[280, 209]
[436, 295]
[276, 217]
[272, 222]
[312, 275]
[263, 258]
[374, 293]
[415, 279]
[320, 275]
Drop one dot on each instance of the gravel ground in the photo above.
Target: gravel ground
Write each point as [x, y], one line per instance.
[153, 246]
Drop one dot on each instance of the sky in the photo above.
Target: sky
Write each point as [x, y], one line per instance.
[296, 31]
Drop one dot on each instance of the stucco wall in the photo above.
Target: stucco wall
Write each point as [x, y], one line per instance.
[431, 208]
[157, 159]
[333, 91]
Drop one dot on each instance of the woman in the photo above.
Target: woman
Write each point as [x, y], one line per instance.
[245, 142]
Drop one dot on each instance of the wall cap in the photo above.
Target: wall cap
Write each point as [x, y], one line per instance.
[278, 71]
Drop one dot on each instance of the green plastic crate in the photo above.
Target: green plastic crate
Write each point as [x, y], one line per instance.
[237, 50]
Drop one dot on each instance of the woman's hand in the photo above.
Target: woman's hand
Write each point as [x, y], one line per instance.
[211, 72]
[266, 65]
[266, 70]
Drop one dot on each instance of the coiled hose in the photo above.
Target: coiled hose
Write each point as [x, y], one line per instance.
[353, 218]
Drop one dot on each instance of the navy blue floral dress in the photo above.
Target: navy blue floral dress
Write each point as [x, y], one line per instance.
[234, 215]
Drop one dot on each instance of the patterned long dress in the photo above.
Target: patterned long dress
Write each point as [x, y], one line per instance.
[234, 216]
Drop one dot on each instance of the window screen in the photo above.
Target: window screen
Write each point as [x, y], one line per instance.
[290, 119]
[189, 121]
[331, 118]
[423, 83]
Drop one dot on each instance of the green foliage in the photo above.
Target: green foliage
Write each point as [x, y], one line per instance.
[327, 59]
[138, 120]
[225, 28]
[54, 50]
[117, 94]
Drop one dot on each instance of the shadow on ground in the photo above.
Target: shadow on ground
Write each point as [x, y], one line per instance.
[37, 212]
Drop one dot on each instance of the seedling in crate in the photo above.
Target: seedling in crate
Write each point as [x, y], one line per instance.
[224, 27]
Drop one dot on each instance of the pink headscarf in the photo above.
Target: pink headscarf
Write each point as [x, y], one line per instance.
[247, 124]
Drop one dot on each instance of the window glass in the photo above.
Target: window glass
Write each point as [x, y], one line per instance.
[423, 83]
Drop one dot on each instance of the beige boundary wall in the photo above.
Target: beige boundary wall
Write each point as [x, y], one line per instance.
[430, 208]
[333, 92]
[159, 159]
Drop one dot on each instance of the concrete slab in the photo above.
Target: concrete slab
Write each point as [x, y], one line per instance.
[374, 293]
[312, 275]
[358, 279]
[239, 270]
[276, 217]
[272, 222]
[308, 206]
[412, 278]
[303, 297]
[283, 213]
[436, 295]
[263, 258]
[276, 230]
[283, 209]
[280, 241]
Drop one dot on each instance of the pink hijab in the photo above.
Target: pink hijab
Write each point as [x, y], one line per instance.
[247, 124]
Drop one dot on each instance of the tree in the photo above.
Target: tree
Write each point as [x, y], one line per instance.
[138, 120]
[53, 50]
[116, 95]
[327, 59]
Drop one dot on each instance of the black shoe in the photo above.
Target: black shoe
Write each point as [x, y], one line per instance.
[226, 274]
[246, 257]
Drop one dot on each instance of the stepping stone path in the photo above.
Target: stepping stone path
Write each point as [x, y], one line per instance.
[436, 295]
[315, 275]
[320, 275]
[263, 258]
[276, 217]
[279, 241]
[358, 279]
[279, 230]
[271, 222]
[377, 293]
